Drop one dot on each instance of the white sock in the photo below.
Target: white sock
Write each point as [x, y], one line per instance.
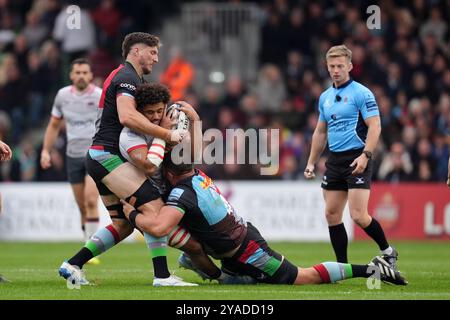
[387, 251]
[90, 229]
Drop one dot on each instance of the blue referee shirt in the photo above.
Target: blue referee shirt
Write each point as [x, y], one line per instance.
[344, 109]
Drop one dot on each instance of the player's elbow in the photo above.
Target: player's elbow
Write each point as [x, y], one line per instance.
[156, 230]
[376, 128]
[125, 120]
[161, 232]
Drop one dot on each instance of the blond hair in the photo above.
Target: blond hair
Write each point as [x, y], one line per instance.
[339, 51]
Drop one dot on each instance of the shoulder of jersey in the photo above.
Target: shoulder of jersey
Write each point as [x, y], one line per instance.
[325, 92]
[358, 85]
[98, 90]
[126, 75]
[65, 89]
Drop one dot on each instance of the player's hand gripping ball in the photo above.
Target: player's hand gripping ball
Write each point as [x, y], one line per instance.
[174, 112]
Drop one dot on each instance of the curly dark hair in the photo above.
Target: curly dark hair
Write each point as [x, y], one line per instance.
[138, 37]
[151, 93]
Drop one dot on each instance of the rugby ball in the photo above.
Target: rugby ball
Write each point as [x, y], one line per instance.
[183, 123]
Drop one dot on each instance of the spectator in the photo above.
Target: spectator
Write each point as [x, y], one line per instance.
[270, 88]
[76, 41]
[34, 31]
[178, 75]
[436, 25]
[396, 166]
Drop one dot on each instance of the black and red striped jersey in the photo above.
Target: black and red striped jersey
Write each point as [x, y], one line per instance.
[122, 81]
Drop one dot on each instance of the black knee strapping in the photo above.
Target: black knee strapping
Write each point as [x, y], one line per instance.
[119, 209]
[146, 193]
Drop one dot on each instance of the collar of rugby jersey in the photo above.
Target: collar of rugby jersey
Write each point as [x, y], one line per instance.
[131, 65]
[344, 84]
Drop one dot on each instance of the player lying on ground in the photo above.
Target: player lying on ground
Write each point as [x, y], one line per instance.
[197, 204]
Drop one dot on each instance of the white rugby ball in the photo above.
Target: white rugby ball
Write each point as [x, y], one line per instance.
[183, 123]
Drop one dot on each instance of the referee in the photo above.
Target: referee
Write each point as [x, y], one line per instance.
[349, 121]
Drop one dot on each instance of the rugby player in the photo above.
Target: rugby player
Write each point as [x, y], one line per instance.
[76, 105]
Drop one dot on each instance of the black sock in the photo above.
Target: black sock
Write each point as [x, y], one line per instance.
[375, 231]
[360, 271]
[161, 268]
[83, 256]
[339, 240]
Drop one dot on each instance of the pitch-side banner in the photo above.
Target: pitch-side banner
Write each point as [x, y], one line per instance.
[411, 211]
[280, 210]
[42, 212]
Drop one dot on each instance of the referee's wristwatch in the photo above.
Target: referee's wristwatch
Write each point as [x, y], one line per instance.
[368, 154]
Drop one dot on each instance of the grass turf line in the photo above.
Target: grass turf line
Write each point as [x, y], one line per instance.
[125, 272]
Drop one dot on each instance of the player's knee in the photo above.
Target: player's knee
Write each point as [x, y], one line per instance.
[308, 276]
[91, 204]
[123, 227]
[332, 217]
[360, 219]
[193, 247]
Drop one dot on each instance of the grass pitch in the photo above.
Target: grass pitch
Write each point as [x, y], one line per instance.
[125, 272]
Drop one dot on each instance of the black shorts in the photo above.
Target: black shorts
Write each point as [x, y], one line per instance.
[100, 161]
[338, 175]
[256, 259]
[76, 169]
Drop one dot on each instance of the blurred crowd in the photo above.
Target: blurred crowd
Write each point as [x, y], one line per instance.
[406, 63]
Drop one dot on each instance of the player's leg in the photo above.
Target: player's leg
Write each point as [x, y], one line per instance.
[125, 181]
[194, 257]
[146, 199]
[335, 201]
[335, 188]
[156, 245]
[84, 192]
[91, 196]
[331, 272]
[358, 200]
[78, 193]
[256, 259]
[107, 237]
[104, 238]
[75, 173]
